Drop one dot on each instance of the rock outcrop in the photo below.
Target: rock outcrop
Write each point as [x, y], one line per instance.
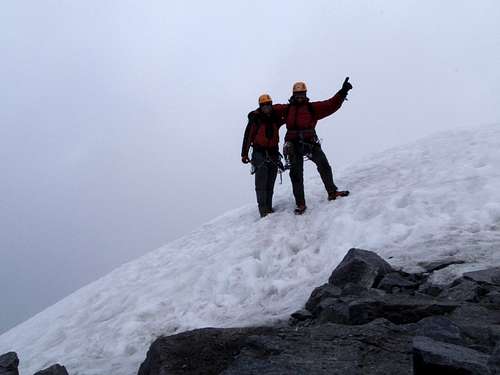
[436, 357]
[361, 267]
[56, 369]
[368, 319]
[9, 363]
[377, 347]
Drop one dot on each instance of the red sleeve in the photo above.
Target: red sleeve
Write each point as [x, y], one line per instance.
[280, 111]
[327, 107]
[249, 135]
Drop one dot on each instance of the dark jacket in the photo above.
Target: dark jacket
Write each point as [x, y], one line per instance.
[262, 132]
[301, 119]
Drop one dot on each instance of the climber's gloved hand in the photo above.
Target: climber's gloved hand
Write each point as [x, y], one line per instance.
[346, 86]
[245, 160]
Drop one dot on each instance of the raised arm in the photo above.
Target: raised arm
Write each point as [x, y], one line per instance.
[327, 107]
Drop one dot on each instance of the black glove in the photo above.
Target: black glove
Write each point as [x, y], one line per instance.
[346, 86]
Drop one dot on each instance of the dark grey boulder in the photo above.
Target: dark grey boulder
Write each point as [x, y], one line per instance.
[362, 322]
[494, 361]
[440, 328]
[376, 348]
[430, 289]
[334, 311]
[351, 291]
[473, 314]
[435, 357]
[440, 264]
[320, 293]
[492, 298]
[302, 315]
[489, 276]
[463, 290]
[361, 267]
[394, 281]
[9, 363]
[197, 352]
[56, 369]
[479, 325]
[355, 290]
[399, 309]
[494, 333]
[479, 336]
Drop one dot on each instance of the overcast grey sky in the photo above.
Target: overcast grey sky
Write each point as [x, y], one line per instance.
[121, 121]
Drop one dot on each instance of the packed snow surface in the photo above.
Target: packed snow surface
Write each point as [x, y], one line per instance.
[434, 198]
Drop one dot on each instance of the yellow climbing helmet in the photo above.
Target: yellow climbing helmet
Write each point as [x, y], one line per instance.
[299, 87]
[264, 99]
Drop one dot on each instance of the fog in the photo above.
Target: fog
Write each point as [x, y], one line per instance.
[121, 122]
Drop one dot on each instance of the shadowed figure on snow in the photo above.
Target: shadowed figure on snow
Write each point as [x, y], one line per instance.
[262, 134]
[301, 140]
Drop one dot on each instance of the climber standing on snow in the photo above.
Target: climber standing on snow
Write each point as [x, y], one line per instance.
[301, 117]
[262, 134]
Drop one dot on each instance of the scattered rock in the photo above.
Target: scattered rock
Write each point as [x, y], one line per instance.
[473, 314]
[320, 293]
[397, 309]
[368, 319]
[394, 281]
[202, 351]
[435, 357]
[302, 315]
[56, 369]
[376, 348]
[494, 361]
[463, 290]
[9, 363]
[440, 328]
[440, 264]
[361, 267]
[352, 289]
[492, 298]
[479, 336]
[334, 311]
[430, 289]
[489, 276]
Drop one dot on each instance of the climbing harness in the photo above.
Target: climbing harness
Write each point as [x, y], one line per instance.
[269, 160]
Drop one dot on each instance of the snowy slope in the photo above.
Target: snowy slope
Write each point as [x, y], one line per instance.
[433, 198]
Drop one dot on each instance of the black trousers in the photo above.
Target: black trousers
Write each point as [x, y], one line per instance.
[296, 152]
[266, 169]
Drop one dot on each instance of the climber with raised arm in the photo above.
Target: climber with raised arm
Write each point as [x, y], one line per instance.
[301, 140]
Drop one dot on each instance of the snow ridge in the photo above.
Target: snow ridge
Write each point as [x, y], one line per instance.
[437, 197]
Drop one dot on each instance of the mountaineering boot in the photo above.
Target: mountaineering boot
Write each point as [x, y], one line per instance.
[300, 209]
[337, 193]
[263, 211]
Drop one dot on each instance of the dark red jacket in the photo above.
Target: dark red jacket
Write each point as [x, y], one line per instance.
[262, 132]
[301, 120]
